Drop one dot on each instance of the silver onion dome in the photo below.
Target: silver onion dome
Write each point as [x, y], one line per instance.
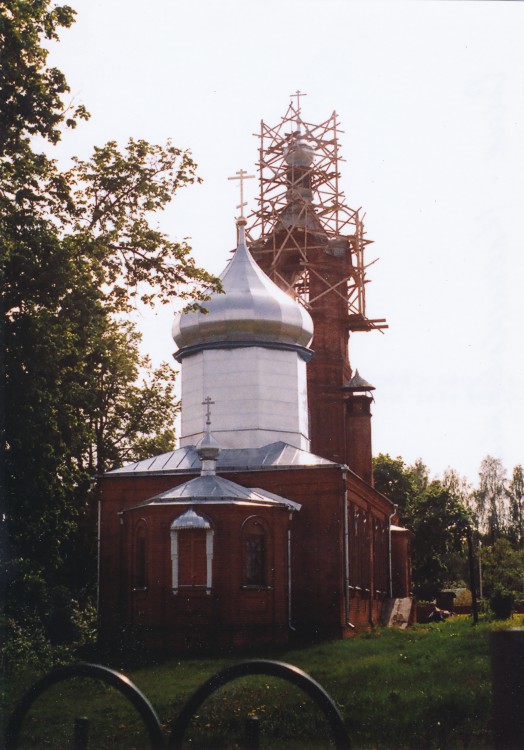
[252, 311]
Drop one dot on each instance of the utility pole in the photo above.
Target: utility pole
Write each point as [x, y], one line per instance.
[472, 584]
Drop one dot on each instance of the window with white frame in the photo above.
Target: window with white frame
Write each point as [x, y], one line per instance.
[192, 552]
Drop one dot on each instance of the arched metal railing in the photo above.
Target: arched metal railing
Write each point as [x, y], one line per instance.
[97, 672]
[179, 726]
[262, 667]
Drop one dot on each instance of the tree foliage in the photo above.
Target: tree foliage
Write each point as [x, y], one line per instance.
[458, 486]
[515, 494]
[393, 479]
[31, 99]
[503, 569]
[78, 250]
[439, 522]
[126, 412]
[439, 513]
[113, 196]
[490, 498]
[436, 516]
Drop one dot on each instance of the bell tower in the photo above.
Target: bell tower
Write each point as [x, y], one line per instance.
[312, 244]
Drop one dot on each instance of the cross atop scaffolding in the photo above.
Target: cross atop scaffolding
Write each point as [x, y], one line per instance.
[297, 96]
[303, 220]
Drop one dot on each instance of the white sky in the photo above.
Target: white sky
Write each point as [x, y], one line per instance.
[431, 98]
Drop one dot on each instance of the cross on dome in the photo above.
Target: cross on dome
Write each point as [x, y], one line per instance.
[297, 109]
[208, 403]
[242, 175]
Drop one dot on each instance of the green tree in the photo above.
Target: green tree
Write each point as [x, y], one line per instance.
[515, 493]
[458, 486]
[393, 479]
[439, 522]
[490, 498]
[126, 410]
[419, 475]
[113, 197]
[503, 570]
[62, 285]
[76, 249]
[436, 516]
[31, 98]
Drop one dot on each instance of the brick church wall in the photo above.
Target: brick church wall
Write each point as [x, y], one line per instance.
[231, 615]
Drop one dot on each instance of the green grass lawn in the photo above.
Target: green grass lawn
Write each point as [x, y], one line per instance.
[425, 687]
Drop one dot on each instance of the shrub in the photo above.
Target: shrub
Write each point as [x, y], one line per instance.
[501, 603]
[27, 642]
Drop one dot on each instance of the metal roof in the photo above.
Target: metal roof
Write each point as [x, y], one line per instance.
[190, 520]
[357, 383]
[183, 460]
[253, 310]
[211, 489]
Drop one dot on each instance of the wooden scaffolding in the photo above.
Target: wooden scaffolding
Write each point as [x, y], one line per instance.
[302, 220]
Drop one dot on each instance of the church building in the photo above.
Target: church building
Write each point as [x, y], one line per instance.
[263, 526]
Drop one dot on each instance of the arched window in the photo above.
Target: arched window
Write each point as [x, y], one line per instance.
[366, 555]
[380, 556]
[140, 557]
[355, 543]
[255, 553]
[359, 551]
[191, 552]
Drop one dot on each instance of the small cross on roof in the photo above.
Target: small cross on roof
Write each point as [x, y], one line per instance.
[208, 403]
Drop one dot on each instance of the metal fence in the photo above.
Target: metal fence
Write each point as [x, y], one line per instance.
[507, 658]
[177, 729]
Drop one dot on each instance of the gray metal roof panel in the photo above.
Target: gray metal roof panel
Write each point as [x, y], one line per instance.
[212, 488]
[186, 459]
